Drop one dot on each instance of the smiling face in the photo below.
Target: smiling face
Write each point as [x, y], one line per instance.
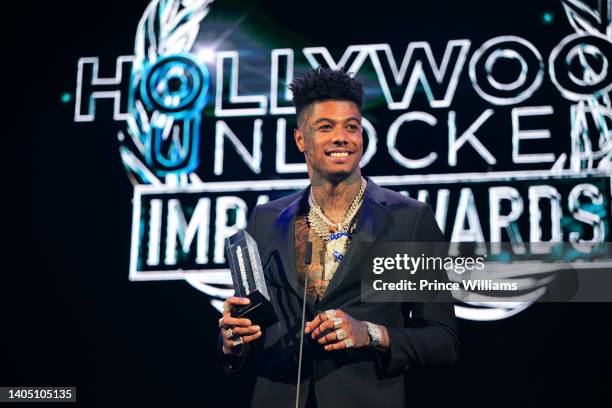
[330, 136]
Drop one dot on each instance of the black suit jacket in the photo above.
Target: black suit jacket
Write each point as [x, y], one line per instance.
[420, 334]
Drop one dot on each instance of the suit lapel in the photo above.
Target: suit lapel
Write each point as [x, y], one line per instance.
[372, 218]
[285, 227]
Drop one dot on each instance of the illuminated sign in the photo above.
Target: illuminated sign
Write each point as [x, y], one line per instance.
[462, 126]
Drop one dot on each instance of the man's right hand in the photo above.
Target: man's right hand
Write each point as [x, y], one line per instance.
[236, 332]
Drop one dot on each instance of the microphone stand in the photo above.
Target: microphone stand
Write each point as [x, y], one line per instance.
[307, 261]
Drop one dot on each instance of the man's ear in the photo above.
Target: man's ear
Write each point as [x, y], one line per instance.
[299, 140]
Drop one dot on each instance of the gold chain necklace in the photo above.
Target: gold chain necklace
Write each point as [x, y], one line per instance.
[326, 228]
[336, 236]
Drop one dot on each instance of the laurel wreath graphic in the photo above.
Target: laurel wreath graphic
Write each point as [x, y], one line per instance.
[586, 20]
[167, 27]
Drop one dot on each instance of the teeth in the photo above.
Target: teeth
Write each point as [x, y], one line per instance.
[339, 154]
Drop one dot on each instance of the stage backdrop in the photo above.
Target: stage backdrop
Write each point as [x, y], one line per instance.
[504, 132]
[171, 120]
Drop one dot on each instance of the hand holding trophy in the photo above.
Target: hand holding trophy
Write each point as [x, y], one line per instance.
[245, 313]
[236, 331]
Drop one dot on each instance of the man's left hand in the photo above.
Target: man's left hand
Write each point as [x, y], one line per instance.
[338, 330]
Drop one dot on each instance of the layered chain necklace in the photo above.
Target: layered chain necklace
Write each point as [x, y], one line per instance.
[336, 236]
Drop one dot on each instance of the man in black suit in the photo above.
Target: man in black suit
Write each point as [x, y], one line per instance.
[355, 352]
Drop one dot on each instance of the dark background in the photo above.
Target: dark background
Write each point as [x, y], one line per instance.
[77, 320]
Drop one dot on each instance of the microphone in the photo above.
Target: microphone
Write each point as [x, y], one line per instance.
[307, 261]
[308, 255]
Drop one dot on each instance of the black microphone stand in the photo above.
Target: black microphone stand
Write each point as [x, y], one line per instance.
[307, 261]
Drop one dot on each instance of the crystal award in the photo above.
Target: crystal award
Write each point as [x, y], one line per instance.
[248, 279]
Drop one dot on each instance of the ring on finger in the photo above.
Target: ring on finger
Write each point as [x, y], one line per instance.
[230, 333]
[237, 342]
[337, 321]
[226, 306]
[348, 343]
[331, 313]
[340, 334]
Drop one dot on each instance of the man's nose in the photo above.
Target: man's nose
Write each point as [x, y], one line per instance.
[340, 138]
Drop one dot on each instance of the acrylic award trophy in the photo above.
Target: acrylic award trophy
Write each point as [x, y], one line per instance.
[248, 279]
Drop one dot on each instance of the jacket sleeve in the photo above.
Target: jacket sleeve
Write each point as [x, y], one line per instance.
[233, 364]
[431, 336]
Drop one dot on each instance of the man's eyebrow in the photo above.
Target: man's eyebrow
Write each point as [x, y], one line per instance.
[355, 118]
[323, 120]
